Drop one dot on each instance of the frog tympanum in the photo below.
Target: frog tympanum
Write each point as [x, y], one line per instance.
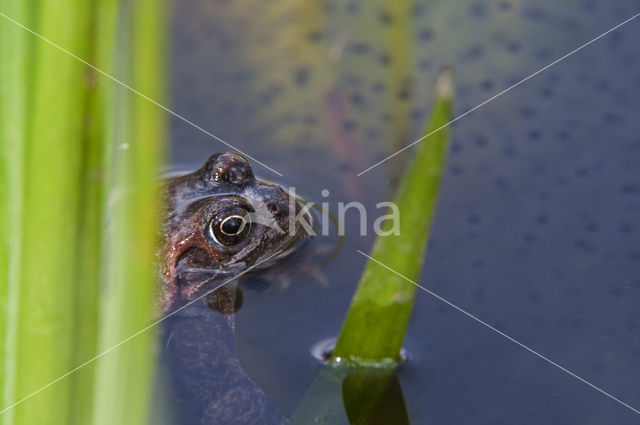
[220, 222]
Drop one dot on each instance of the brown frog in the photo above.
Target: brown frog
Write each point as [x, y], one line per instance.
[220, 222]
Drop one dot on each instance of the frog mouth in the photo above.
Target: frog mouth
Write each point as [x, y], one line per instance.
[205, 282]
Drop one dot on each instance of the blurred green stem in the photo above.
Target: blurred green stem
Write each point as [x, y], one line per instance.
[135, 137]
[79, 157]
[13, 74]
[54, 125]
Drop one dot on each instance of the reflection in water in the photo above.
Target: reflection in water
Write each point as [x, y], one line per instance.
[349, 395]
[373, 396]
[209, 384]
[226, 300]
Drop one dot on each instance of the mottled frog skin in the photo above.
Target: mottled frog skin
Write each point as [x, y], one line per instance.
[220, 222]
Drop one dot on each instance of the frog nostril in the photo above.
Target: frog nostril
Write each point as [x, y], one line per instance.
[278, 208]
[274, 208]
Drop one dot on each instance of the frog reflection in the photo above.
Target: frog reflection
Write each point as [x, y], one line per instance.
[220, 222]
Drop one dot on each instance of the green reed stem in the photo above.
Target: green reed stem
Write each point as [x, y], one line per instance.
[13, 71]
[78, 209]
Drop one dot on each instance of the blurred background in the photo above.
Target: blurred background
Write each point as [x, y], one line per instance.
[537, 230]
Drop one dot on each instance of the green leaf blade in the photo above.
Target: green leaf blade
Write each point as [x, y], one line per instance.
[379, 314]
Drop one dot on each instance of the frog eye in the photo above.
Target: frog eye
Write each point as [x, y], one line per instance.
[229, 229]
[232, 225]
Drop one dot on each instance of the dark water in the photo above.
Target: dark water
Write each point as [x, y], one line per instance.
[538, 226]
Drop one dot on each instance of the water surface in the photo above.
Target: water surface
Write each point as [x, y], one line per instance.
[538, 227]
